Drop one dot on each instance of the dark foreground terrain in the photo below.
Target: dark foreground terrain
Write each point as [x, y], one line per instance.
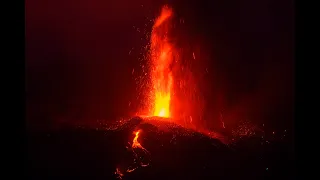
[172, 152]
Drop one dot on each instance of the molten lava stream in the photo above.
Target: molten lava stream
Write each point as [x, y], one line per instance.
[161, 57]
[137, 156]
[135, 142]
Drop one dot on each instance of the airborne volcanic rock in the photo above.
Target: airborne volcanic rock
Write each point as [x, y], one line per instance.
[171, 152]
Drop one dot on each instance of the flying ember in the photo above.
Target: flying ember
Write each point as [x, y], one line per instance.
[161, 59]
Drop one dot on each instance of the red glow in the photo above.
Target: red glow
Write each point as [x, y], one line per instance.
[161, 57]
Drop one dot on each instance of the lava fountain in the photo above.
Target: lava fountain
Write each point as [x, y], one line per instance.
[161, 53]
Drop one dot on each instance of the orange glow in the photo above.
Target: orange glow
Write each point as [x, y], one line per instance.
[161, 57]
[118, 173]
[135, 143]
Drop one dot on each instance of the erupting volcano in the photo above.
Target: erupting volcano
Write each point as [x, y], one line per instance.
[161, 59]
[171, 136]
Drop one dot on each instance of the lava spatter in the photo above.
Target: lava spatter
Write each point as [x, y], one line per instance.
[161, 56]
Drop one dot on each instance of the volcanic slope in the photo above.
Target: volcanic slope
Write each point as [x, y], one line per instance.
[149, 148]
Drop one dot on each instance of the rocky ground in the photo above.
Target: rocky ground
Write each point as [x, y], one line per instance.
[168, 151]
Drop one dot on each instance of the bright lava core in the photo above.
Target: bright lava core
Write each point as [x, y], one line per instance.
[161, 57]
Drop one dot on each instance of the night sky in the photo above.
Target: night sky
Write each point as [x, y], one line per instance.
[78, 66]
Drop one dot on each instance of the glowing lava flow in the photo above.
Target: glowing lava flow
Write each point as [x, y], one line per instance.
[161, 57]
[135, 143]
[118, 173]
[138, 156]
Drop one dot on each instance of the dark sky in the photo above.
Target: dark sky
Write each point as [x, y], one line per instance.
[78, 64]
